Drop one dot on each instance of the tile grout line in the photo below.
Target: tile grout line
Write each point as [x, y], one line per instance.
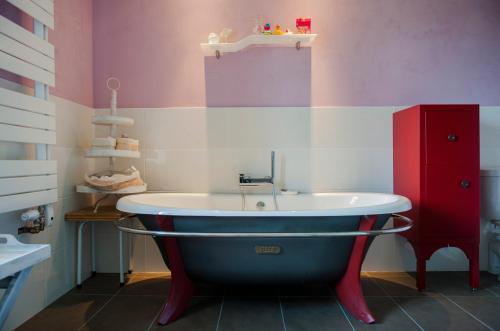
[467, 312]
[345, 314]
[282, 315]
[220, 311]
[493, 292]
[99, 310]
[154, 318]
[104, 305]
[398, 305]
[332, 293]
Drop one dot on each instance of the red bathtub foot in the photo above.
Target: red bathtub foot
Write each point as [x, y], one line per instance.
[181, 287]
[349, 287]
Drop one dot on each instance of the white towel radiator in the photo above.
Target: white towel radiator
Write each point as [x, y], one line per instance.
[28, 119]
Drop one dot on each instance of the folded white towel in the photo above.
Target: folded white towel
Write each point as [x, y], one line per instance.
[104, 142]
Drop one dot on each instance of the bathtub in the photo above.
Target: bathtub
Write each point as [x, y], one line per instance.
[233, 238]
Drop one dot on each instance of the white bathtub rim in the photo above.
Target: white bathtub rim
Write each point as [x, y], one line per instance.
[127, 204]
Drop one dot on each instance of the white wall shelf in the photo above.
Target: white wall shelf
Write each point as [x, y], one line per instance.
[113, 153]
[284, 40]
[127, 190]
[112, 120]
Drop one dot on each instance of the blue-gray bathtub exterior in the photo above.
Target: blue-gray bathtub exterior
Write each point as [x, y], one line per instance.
[263, 260]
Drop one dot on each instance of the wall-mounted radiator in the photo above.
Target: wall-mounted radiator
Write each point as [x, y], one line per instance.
[31, 120]
[28, 118]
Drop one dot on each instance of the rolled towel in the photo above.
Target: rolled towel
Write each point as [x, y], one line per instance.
[104, 143]
[127, 144]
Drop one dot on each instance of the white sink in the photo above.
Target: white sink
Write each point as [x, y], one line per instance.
[16, 256]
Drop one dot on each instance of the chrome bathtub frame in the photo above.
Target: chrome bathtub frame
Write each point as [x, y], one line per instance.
[408, 224]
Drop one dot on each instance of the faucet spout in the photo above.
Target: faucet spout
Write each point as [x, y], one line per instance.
[272, 167]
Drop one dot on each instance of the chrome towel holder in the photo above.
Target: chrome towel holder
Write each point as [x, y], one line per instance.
[408, 223]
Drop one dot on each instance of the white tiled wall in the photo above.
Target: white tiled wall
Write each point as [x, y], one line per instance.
[318, 150]
[55, 276]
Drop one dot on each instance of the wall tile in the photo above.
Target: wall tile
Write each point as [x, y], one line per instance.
[490, 127]
[73, 124]
[184, 128]
[107, 251]
[268, 127]
[489, 157]
[71, 167]
[31, 299]
[154, 260]
[357, 169]
[351, 127]
[177, 170]
[139, 254]
[58, 280]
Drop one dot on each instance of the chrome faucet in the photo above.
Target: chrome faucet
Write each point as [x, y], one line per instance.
[246, 180]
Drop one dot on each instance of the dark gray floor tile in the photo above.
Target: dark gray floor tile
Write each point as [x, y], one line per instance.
[495, 290]
[437, 313]
[202, 314]
[101, 284]
[251, 291]
[486, 309]
[368, 286]
[401, 285]
[371, 288]
[147, 286]
[315, 314]
[251, 314]
[208, 290]
[455, 283]
[126, 313]
[388, 274]
[306, 290]
[67, 313]
[387, 314]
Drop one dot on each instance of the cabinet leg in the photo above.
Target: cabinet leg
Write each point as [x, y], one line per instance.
[474, 268]
[421, 269]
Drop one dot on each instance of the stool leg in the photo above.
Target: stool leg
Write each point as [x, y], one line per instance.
[92, 243]
[79, 255]
[130, 240]
[120, 239]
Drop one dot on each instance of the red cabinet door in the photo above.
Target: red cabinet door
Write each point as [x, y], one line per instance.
[451, 201]
[451, 137]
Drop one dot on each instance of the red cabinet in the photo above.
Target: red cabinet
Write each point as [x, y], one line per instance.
[436, 165]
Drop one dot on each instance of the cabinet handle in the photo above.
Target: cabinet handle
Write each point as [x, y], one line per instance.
[452, 137]
[465, 183]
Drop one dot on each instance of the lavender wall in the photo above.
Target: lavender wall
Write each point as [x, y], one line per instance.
[393, 52]
[73, 43]
[72, 38]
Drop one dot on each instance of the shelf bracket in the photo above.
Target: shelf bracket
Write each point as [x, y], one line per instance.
[217, 54]
[297, 45]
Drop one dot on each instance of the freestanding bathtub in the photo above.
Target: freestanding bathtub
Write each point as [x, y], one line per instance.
[232, 238]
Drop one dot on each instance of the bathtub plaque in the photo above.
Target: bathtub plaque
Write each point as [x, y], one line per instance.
[267, 250]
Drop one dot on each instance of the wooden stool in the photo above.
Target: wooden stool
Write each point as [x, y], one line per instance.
[87, 215]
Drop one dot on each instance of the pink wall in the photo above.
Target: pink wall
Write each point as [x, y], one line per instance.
[72, 39]
[389, 52]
